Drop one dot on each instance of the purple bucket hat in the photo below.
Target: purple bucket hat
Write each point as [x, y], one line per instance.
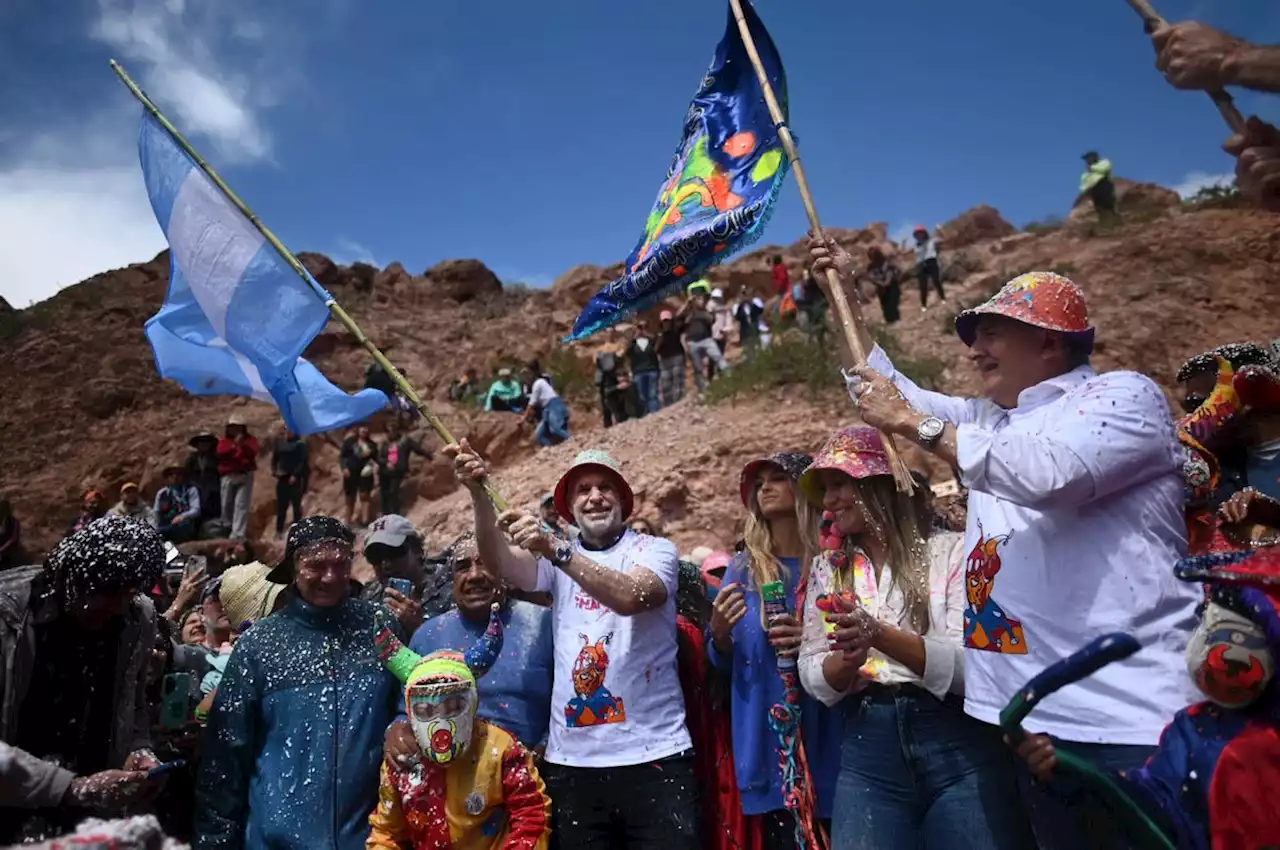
[857, 451]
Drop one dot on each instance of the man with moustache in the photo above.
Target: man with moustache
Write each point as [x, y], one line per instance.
[1075, 522]
[619, 761]
[517, 689]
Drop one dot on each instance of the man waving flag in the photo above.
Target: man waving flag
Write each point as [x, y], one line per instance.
[237, 316]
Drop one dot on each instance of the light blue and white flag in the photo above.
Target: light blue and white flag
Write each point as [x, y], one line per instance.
[237, 317]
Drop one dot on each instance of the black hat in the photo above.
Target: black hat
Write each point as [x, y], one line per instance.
[304, 532]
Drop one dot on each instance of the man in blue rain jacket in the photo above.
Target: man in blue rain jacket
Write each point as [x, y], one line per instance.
[294, 741]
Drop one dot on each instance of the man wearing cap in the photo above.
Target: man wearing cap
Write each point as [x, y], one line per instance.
[505, 394]
[237, 460]
[618, 755]
[177, 506]
[295, 736]
[1096, 183]
[1075, 521]
[551, 516]
[131, 505]
[396, 549]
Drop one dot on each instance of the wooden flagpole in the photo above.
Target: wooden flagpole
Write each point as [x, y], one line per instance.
[850, 316]
[1226, 106]
[335, 308]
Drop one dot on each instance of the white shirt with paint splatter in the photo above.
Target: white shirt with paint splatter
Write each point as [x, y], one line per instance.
[616, 698]
[1075, 524]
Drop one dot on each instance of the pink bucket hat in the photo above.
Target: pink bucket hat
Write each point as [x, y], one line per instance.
[601, 462]
[857, 451]
[1041, 299]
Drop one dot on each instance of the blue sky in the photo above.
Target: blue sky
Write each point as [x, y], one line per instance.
[534, 135]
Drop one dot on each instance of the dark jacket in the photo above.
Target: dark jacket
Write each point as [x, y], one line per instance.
[404, 445]
[20, 611]
[294, 741]
[642, 359]
[669, 342]
[202, 471]
[291, 459]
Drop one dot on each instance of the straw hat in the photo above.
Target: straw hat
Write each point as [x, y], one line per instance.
[246, 594]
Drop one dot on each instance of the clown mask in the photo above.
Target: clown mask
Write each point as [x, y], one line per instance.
[441, 714]
[1228, 657]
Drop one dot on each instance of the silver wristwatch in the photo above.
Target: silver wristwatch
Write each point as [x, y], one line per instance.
[929, 430]
[562, 554]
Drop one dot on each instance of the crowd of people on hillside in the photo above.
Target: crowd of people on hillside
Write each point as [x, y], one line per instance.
[564, 676]
[1081, 651]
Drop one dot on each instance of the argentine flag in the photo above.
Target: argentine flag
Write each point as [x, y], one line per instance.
[237, 317]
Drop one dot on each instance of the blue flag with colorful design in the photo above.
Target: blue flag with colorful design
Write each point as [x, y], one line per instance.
[719, 190]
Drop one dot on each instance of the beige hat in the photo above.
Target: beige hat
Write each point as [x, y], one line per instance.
[246, 594]
[237, 419]
[698, 555]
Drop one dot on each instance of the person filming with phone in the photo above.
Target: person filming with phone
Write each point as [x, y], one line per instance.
[413, 588]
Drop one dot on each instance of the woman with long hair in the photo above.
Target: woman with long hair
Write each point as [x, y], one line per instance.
[781, 540]
[883, 623]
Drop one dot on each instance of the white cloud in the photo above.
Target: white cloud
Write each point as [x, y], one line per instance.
[181, 69]
[72, 200]
[347, 251]
[1197, 180]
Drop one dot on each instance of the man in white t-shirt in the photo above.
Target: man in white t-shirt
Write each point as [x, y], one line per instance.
[619, 759]
[1075, 523]
[545, 403]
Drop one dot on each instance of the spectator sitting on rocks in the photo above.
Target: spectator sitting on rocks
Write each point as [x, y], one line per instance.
[396, 550]
[79, 635]
[131, 505]
[237, 462]
[92, 507]
[506, 394]
[517, 693]
[393, 465]
[11, 552]
[177, 506]
[545, 403]
[465, 388]
[202, 471]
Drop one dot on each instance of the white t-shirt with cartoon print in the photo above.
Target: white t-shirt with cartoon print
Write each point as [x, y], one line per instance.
[616, 698]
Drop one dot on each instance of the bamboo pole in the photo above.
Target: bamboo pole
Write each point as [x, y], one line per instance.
[1226, 106]
[850, 316]
[335, 308]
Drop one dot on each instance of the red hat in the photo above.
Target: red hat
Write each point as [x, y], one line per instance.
[601, 462]
[1247, 582]
[920, 228]
[1041, 299]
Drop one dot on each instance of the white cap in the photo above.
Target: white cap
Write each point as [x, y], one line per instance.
[717, 293]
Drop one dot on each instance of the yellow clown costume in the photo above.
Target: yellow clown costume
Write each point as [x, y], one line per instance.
[476, 787]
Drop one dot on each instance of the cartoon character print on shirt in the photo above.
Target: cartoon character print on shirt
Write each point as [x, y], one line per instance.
[592, 704]
[986, 625]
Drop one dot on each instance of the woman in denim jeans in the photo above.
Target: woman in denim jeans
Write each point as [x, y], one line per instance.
[882, 632]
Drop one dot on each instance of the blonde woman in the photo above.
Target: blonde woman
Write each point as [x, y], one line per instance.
[781, 539]
[882, 632]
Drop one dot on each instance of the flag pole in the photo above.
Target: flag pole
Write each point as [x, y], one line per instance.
[1226, 106]
[335, 308]
[850, 316]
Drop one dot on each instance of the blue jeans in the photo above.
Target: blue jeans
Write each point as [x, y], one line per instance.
[647, 386]
[1064, 814]
[554, 427]
[918, 774]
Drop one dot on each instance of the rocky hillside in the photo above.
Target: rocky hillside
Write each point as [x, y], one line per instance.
[85, 407]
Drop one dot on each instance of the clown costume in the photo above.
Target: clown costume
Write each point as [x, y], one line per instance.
[475, 787]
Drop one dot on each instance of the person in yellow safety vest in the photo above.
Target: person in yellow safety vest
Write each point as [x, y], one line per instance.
[1096, 183]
